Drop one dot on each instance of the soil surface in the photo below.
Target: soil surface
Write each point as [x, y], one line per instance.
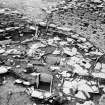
[31, 8]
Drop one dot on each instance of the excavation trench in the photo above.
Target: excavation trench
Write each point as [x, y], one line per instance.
[42, 58]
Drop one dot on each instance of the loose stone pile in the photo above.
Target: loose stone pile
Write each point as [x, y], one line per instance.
[85, 17]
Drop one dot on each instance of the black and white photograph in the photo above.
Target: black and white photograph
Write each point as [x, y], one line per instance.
[52, 52]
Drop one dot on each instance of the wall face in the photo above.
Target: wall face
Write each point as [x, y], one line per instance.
[29, 7]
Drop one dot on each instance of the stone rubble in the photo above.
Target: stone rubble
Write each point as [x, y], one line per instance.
[65, 63]
[3, 69]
